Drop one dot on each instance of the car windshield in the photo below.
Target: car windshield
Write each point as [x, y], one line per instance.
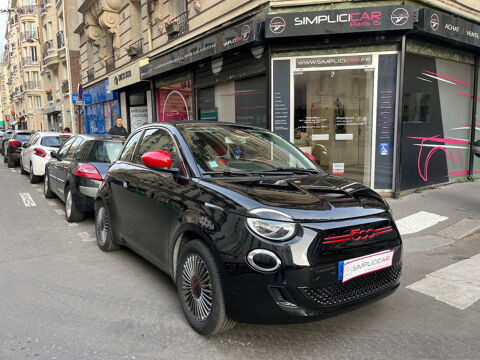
[54, 141]
[105, 151]
[23, 137]
[223, 148]
[7, 135]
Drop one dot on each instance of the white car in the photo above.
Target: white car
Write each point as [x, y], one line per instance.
[36, 153]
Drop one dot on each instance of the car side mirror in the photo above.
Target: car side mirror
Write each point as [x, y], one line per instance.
[24, 145]
[476, 148]
[311, 157]
[54, 154]
[159, 160]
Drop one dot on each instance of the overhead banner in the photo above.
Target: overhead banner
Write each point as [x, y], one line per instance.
[242, 34]
[380, 18]
[449, 27]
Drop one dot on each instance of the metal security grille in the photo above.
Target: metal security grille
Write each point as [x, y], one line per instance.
[354, 289]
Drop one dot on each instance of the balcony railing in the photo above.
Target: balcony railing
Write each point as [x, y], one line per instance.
[91, 75]
[110, 64]
[65, 88]
[178, 27]
[29, 61]
[32, 85]
[60, 40]
[47, 47]
[29, 35]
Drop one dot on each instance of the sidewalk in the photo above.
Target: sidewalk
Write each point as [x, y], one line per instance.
[438, 216]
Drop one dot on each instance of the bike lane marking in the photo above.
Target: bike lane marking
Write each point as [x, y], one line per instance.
[27, 199]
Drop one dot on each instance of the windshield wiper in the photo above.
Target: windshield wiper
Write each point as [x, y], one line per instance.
[289, 170]
[227, 173]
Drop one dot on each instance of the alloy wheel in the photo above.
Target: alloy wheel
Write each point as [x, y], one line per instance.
[103, 226]
[197, 287]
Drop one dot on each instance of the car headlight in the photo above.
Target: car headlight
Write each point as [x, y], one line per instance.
[272, 230]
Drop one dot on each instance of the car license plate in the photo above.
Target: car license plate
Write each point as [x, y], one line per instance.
[349, 269]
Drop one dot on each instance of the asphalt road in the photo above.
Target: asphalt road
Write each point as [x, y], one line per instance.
[63, 298]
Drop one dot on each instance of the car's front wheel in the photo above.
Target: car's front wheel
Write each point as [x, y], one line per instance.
[199, 286]
[103, 230]
[72, 214]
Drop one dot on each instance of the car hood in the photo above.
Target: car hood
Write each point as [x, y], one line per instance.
[304, 198]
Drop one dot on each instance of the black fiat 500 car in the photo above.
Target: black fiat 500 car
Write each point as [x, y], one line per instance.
[13, 147]
[75, 172]
[249, 227]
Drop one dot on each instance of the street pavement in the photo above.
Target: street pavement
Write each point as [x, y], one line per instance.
[63, 298]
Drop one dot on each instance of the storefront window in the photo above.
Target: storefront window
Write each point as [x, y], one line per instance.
[174, 102]
[138, 110]
[333, 119]
[437, 108]
[476, 159]
[237, 101]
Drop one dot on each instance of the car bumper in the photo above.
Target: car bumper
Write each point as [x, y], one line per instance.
[306, 287]
[14, 156]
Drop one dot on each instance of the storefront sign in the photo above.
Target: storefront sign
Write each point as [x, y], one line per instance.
[244, 33]
[380, 18]
[449, 27]
[281, 98]
[138, 115]
[303, 63]
[124, 77]
[338, 168]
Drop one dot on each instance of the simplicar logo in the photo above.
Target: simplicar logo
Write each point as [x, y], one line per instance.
[399, 16]
[277, 25]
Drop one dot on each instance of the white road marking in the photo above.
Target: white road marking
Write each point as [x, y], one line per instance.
[457, 285]
[27, 200]
[52, 203]
[72, 224]
[418, 222]
[85, 237]
[59, 212]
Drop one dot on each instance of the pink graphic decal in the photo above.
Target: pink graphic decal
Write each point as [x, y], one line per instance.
[470, 96]
[449, 156]
[446, 77]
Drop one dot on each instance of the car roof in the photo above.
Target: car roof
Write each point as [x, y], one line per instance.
[101, 137]
[181, 124]
[52, 133]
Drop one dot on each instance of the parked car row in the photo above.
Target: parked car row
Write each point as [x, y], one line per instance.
[249, 228]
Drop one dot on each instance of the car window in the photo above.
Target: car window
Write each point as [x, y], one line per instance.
[54, 141]
[156, 139]
[22, 137]
[7, 135]
[82, 150]
[129, 148]
[63, 150]
[73, 148]
[33, 140]
[105, 151]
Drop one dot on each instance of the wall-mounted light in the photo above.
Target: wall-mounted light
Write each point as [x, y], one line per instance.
[257, 51]
[217, 65]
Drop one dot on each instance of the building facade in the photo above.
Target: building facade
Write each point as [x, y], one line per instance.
[384, 92]
[61, 63]
[5, 106]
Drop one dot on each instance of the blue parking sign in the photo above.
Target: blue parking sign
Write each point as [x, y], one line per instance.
[384, 149]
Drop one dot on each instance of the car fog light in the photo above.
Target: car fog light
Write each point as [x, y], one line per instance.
[263, 260]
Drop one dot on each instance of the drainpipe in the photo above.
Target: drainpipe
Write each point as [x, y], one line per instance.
[69, 69]
[474, 115]
[398, 143]
[149, 26]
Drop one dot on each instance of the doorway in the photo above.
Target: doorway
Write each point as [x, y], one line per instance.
[333, 119]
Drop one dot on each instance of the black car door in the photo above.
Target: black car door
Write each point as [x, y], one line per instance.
[152, 197]
[66, 166]
[53, 166]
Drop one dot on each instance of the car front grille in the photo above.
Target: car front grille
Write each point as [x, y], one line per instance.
[354, 289]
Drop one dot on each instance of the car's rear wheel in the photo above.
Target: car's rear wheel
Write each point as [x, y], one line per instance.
[11, 163]
[72, 214]
[200, 290]
[33, 178]
[47, 191]
[103, 230]
[5, 158]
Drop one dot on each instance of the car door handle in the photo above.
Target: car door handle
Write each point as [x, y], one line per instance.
[125, 184]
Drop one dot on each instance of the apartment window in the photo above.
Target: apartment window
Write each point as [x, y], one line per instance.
[38, 102]
[33, 52]
[179, 7]
[30, 101]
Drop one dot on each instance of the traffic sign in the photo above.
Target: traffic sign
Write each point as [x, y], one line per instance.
[80, 102]
[80, 92]
[87, 99]
[74, 98]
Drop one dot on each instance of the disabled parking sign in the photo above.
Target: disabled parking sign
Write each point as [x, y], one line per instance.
[384, 149]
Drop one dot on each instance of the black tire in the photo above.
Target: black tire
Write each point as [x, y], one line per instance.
[11, 163]
[5, 158]
[200, 290]
[22, 170]
[72, 214]
[34, 179]
[47, 191]
[103, 230]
